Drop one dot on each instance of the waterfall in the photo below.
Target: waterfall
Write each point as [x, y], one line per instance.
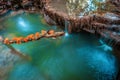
[104, 46]
[66, 28]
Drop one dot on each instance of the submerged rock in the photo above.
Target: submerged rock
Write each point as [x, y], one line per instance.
[7, 61]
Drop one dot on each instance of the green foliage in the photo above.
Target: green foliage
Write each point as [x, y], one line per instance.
[86, 7]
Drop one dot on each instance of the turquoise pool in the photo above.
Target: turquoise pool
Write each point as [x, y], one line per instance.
[79, 56]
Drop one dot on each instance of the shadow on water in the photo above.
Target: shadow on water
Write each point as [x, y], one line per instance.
[14, 51]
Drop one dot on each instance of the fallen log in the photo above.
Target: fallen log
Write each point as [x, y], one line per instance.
[33, 37]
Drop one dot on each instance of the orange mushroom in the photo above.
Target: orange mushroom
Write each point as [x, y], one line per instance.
[25, 39]
[14, 39]
[51, 32]
[31, 37]
[37, 35]
[43, 32]
[17, 40]
[6, 41]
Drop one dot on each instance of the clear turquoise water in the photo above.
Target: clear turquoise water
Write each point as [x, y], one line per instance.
[79, 56]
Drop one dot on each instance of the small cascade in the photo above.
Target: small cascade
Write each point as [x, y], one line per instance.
[66, 28]
[104, 46]
[109, 43]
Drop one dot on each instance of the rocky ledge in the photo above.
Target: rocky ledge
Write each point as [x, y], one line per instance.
[105, 23]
